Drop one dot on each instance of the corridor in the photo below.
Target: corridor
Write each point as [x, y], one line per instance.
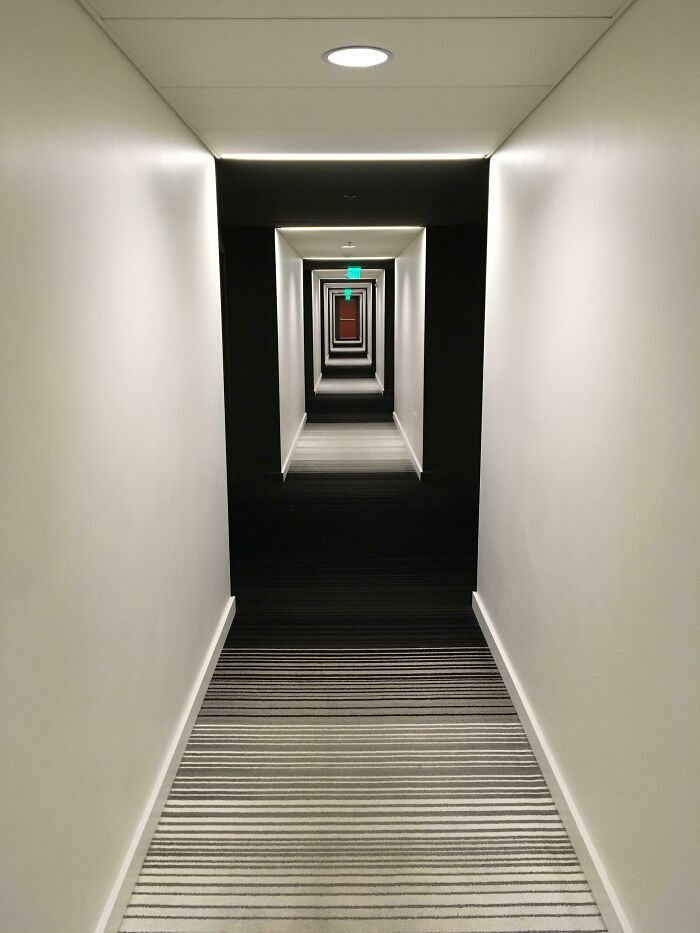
[357, 763]
[350, 471]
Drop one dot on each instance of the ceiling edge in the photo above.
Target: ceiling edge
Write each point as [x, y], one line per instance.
[624, 6]
[93, 14]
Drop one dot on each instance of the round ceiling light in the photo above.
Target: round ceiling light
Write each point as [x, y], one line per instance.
[349, 245]
[357, 56]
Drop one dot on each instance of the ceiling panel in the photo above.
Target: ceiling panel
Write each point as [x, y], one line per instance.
[368, 241]
[374, 110]
[314, 9]
[287, 53]
[249, 76]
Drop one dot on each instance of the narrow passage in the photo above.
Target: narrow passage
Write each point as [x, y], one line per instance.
[357, 764]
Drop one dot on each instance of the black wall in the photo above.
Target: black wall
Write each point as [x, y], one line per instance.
[451, 199]
[251, 359]
[455, 282]
[329, 194]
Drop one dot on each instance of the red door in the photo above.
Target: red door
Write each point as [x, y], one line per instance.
[348, 323]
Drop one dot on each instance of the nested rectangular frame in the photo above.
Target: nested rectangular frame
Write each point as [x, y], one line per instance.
[361, 342]
[331, 346]
[332, 288]
[338, 275]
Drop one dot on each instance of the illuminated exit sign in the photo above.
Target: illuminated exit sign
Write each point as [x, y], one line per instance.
[348, 293]
[354, 272]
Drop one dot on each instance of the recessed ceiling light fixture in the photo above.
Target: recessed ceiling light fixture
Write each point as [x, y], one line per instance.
[348, 245]
[357, 56]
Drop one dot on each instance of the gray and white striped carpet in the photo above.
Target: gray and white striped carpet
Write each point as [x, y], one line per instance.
[355, 386]
[351, 448]
[359, 789]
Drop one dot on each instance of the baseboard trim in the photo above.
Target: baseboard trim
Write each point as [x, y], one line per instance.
[318, 382]
[120, 894]
[416, 464]
[601, 886]
[285, 465]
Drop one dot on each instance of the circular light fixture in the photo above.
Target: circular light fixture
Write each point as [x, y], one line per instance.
[349, 245]
[357, 56]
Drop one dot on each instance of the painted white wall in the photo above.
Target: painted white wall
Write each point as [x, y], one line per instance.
[290, 340]
[590, 499]
[409, 343]
[113, 553]
[380, 338]
[316, 324]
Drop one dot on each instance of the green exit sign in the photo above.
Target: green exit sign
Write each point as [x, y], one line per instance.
[348, 293]
[354, 272]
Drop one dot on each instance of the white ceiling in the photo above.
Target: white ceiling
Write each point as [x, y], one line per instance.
[248, 75]
[370, 242]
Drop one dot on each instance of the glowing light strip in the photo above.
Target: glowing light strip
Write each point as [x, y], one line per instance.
[353, 156]
[335, 229]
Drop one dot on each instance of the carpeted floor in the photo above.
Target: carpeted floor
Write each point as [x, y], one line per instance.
[360, 386]
[351, 448]
[357, 764]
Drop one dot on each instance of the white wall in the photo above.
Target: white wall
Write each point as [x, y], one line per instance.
[113, 554]
[409, 343]
[316, 300]
[590, 500]
[380, 352]
[290, 340]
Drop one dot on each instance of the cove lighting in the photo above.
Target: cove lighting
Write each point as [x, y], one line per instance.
[300, 229]
[357, 56]
[353, 156]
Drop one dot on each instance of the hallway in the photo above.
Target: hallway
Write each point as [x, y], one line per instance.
[214, 214]
[357, 763]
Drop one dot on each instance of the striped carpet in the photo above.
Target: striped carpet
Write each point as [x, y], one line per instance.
[354, 386]
[360, 790]
[357, 765]
[357, 361]
[351, 448]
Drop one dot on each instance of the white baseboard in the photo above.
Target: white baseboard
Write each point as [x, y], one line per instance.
[119, 896]
[601, 886]
[416, 464]
[288, 460]
[318, 383]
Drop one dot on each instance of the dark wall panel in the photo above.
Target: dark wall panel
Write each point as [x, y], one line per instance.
[252, 381]
[454, 342]
[353, 193]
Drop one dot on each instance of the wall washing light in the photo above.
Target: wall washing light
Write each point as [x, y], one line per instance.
[357, 56]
